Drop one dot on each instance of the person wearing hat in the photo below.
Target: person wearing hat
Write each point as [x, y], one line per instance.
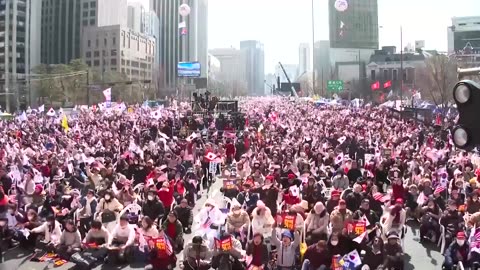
[393, 252]
[354, 199]
[238, 220]
[287, 247]
[209, 219]
[340, 216]
[456, 252]
[174, 230]
[472, 185]
[452, 221]
[153, 208]
[365, 213]
[333, 201]
[185, 215]
[316, 224]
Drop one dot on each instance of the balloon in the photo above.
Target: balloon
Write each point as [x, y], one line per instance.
[184, 10]
[341, 5]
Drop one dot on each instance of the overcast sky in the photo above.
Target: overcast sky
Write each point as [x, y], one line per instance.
[282, 24]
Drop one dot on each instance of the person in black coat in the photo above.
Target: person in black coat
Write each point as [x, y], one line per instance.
[185, 215]
[153, 207]
[354, 199]
[354, 173]
[374, 256]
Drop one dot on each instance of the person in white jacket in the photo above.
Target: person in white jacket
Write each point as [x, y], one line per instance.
[209, 220]
[121, 242]
[51, 229]
[262, 220]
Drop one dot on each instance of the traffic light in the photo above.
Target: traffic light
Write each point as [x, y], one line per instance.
[466, 133]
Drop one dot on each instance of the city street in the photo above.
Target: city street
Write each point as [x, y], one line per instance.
[417, 256]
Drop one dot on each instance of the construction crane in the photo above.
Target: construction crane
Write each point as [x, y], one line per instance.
[294, 92]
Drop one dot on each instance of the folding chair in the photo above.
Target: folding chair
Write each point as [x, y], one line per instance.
[441, 240]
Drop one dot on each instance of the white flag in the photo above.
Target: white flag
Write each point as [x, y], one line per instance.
[108, 94]
[41, 108]
[51, 112]
[23, 117]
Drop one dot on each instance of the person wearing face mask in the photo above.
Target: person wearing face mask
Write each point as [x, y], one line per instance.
[238, 220]
[316, 224]
[429, 227]
[109, 208]
[88, 208]
[452, 221]
[173, 229]
[338, 244]
[209, 219]
[340, 180]
[153, 208]
[197, 255]
[456, 252]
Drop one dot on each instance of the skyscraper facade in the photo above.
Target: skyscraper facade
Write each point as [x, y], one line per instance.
[354, 24]
[254, 56]
[136, 11]
[60, 26]
[303, 58]
[19, 49]
[175, 47]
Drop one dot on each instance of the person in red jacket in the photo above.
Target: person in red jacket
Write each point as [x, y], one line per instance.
[230, 151]
[397, 189]
[165, 194]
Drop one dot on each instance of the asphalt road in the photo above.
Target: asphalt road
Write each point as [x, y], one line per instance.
[417, 255]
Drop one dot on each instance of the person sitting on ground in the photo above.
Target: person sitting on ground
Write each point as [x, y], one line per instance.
[235, 252]
[51, 230]
[70, 241]
[185, 215]
[173, 229]
[374, 256]
[456, 252]
[162, 256]
[153, 207]
[238, 220]
[340, 216]
[197, 255]
[121, 242]
[393, 252]
[452, 221]
[317, 257]
[316, 224]
[258, 250]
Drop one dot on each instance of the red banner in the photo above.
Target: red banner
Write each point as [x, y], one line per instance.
[356, 227]
[288, 221]
[224, 244]
[229, 183]
[336, 262]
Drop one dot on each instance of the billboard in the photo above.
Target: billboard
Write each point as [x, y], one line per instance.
[188, 69]
[353, 24]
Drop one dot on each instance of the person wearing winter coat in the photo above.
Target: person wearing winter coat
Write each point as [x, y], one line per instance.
[258, 250]
[395, 217]
[209, 219]
[262, 220]
[317, 257]
[286, 248]
[340, 216]
[70, 241]
[165, 195]
[87, 210]
[173, 229]
[153, 208]
[109, 204]
[316, 224]
[185, 215]
[457, 251]
[237, 219]
[51, 229]
[197, 255]
[340, 181]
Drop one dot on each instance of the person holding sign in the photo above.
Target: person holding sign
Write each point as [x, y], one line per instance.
[226, 245]
[209, 219]
[286, 248]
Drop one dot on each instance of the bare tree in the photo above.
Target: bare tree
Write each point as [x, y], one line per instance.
[436, 79]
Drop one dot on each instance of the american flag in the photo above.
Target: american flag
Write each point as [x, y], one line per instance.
[207, 223]
[439, 189]
[381, 197]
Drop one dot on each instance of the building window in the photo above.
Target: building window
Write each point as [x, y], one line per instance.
[128, 42]
[89, 63]
[88, 54]
[372, 75]
[89, 43]
[96, 54]
[113, 69]
[405, 75]
[93, 4]
[92, 21]
[96, 43]
[96, 63]
[113, 61]
[138, 45]
[85, 22]
[85, 5]
[113, 52]
[385, 74]
[85, 14]
[123, 62]
[92, 13]
[123, 70]
[105, 42]
[123, 41]
[114, 41]
[395, 74]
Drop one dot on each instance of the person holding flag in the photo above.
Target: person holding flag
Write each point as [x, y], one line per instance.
[209, 219]
[162, 255]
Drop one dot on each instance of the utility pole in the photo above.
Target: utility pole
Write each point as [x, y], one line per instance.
[88, 88]
[313, 47]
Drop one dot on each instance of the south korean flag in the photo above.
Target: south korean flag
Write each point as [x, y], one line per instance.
[51, 112]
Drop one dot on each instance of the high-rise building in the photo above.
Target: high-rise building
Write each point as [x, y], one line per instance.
[151, 27]
[135, 19]
[254, 65]
[464, 34]
[303, 58]
[322, 64]
[191, 45]
[232, 64]
[103, 13]
[20, 36]
[60, 31]
[354, 27]
[117, 48]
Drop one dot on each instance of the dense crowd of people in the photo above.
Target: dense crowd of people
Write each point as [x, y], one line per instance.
[304, 187]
